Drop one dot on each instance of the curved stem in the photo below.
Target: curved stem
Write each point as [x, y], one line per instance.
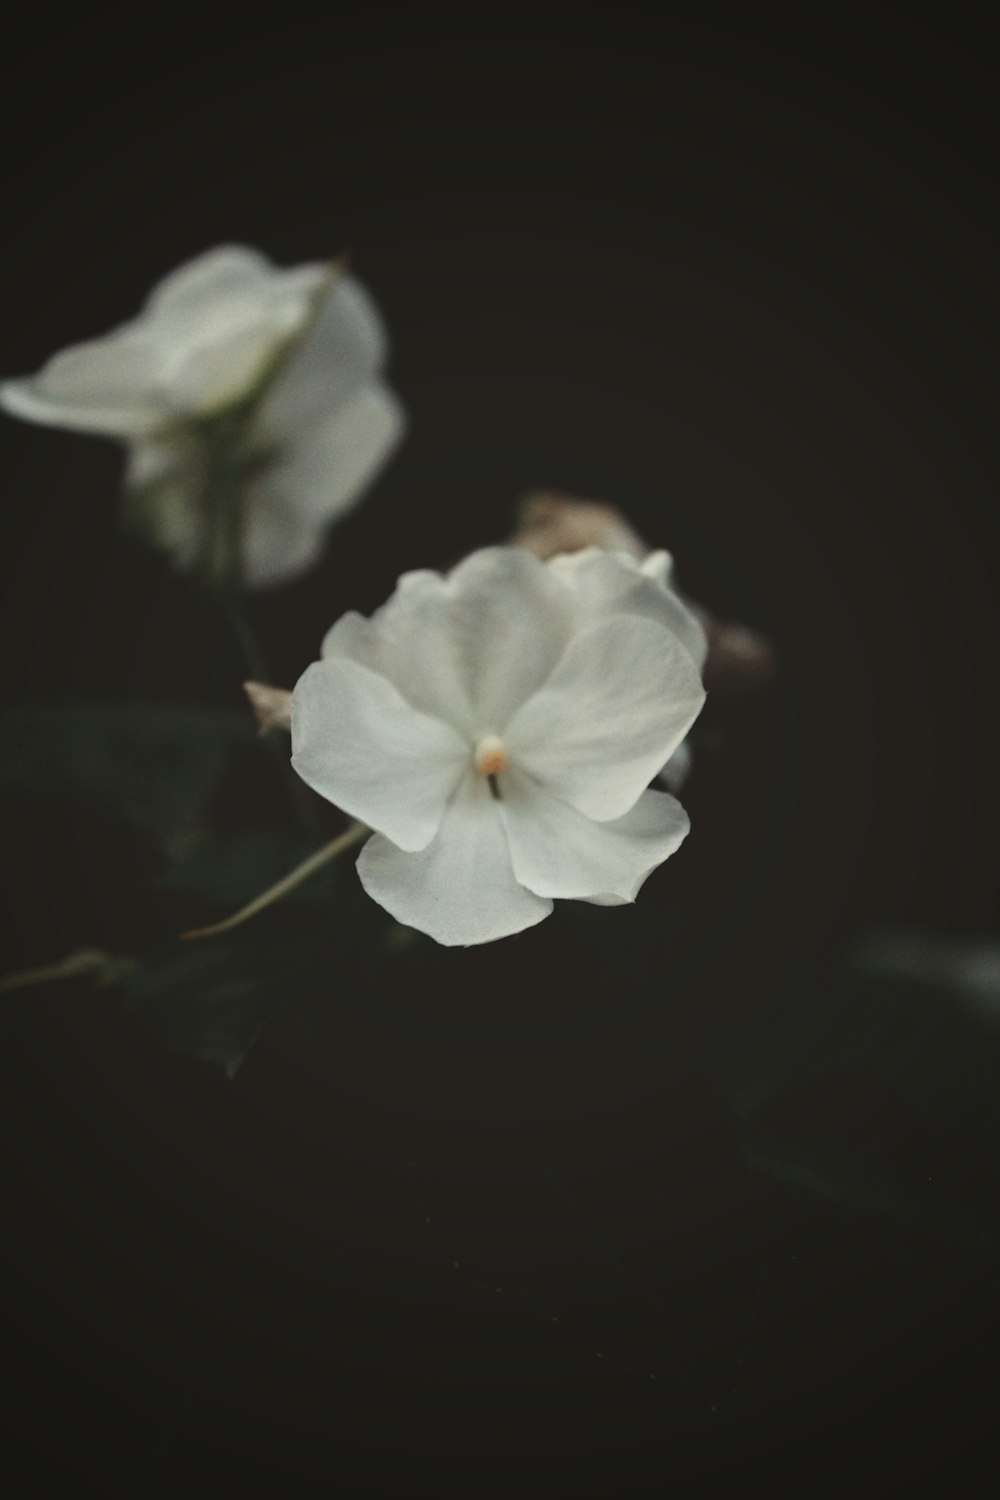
[106, 968]
[239, 624]
[289, 882]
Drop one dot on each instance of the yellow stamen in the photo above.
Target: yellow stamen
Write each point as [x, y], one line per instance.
[491, 756]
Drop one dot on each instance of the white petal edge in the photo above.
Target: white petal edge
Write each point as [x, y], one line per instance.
[556, 851]
[678, 767]
[469, 647]
[109, 386]
[613, 583]
[621, 699]
[358, 743]
[338, 356]
[323, 472]
[411, 641]
[228, 290]
[223, 271]
[461, 889]
[314, 482]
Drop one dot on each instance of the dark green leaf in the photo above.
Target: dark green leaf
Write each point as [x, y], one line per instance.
[209, 998]
[153, 766]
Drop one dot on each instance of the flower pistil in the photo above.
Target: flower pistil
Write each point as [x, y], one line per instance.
[491, 760]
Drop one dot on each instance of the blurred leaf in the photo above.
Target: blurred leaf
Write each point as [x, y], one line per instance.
[920, 1039]
[873, 1086]
[154, 766]
[858, 1181]
[210, 999]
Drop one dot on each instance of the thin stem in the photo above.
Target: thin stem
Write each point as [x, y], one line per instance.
[226, 588]
[289, 882]
[302, 800]
[239, 624]
[105, 967]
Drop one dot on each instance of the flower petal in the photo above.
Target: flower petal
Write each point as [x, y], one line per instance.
[323, 472]
[461, 889]
[221, 318]
[278, 543]
[512, 623]
[608, 583]
[340, 355]
[556, 851]
[410, 640]
[620, 701]
[108, 385]
[221, 364]
[228, 289]
[203, 338]
[357, 742]
[469, 647]
[317, 478]
[678, 767]
[353, 637]
[199, 283]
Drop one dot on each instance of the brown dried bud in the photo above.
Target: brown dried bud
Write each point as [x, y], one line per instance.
[740, 663]
[549, 523]
[272, 706]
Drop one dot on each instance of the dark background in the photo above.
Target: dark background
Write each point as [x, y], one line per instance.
[734, 271]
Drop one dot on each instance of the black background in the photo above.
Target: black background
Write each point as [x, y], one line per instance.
[733, 270]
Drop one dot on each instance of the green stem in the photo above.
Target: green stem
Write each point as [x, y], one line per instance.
[93, 963]
[236, 617]
[296, 877]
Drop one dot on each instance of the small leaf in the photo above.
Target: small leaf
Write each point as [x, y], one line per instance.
[860, 1181]
[211, 999]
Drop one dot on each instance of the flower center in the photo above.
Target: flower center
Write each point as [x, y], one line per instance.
[490, 759]
[491, 755]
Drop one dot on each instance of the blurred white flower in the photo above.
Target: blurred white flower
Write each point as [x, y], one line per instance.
[240, 384]
[498, 729]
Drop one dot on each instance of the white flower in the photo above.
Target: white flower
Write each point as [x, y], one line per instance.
[280, 364]
[498, 728]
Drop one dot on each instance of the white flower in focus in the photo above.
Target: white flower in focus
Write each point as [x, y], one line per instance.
[235, 367]
[498, 729]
